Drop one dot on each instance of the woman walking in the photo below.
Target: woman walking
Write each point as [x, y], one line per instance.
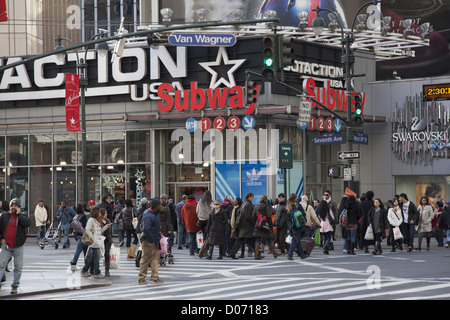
[377, 219]
[216, 228]
[263, 213]
[204, 207]
[326, 226]
[395, 218]
[106, 226]
[353, 215]
[245, 224]
[128, 213]
[94, 232]
[426, 215]
[295, 232]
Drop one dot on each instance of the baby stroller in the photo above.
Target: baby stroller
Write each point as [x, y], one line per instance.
[167, 258]
[51, 236]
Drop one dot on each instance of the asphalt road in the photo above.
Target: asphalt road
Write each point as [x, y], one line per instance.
[416, 275]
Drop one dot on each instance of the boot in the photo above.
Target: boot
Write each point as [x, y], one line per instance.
[262, 248]
[210, 252]
[257, 256]
[133, 250]
[272, 249]
[107, 268]
[352, 248]
[420, 243]
[349, 243]
[428, 243]
[325, 248]
[375, 249]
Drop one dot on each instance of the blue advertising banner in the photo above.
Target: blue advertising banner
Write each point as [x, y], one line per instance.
[254, 179]
[227, 180]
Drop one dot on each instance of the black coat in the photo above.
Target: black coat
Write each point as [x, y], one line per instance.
[265, 210]
[245, 220]
[23, 222]
[216, 227]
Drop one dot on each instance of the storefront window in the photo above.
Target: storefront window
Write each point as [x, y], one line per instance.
[41, 184]
[64, 149]
[138, 146]
[113, 181]
[65, 184]
[2, 152]
[41, 149]
[93, 182]
[3, 183]
[139, 182]
[113, 147]
[18, 186]
[92, 147]
[17, 151]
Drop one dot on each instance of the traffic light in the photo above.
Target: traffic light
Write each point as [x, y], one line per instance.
[287, 51]
[358, 118]
[270, 58]
[334, 171]
[251, 92]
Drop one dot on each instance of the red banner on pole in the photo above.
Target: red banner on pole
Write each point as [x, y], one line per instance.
[72, 102]
[3, 15]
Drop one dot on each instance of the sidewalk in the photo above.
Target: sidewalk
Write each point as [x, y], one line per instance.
[33, 283]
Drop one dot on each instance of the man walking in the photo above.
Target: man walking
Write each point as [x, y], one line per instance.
[150, 244]
[65, 214]
[13, 235]
[410, 220]
[40, 215]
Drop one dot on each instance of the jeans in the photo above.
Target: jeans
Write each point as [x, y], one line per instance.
[129, 233]
[80, 247]
[40, 232]
[448, 235]
[66, 231]
[296, 243]
[351, 235]
[93, 259]
[181, 235]
[193, 241]
[17, 254]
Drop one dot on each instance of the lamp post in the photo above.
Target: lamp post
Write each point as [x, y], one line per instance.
[347, 60]
[102, 49]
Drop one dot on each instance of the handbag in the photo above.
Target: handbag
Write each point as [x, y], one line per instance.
[85, 239]
[262, 224]
[397, 233]
[114, 257]
[163, 243]
[200, 240]
[369, 233]
[317, 237]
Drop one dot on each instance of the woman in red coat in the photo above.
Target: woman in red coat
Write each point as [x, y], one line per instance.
[189, 219]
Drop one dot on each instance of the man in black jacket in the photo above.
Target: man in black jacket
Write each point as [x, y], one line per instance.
[13, 225]
[410, 220]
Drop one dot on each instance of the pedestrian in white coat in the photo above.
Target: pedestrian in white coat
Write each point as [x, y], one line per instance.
[40, 216]
[426, 215]
[395, 219]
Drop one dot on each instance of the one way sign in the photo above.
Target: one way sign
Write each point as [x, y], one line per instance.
[348, 155]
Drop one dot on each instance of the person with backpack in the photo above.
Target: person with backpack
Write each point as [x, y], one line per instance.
[353, 214]
[295, 229]
[263, 228]
[128, 214]
[78, 229]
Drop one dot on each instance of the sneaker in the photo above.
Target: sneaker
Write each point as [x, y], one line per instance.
[142, 282]
[157, 281]
[99, 276]
[85, 274]
[121, 244]
[290, 258]
[14, 290]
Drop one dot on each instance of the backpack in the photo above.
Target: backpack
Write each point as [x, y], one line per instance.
[343, 218]
[76, 225]
[299, 219]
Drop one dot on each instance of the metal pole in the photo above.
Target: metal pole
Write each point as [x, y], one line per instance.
[83, 85]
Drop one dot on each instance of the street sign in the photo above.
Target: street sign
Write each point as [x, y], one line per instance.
[348, 155]
[205, 124]
[202, 39]
[347, 174]
[285, 156]
[248, 122]
[334, 171]
[191, 124]
[358, 137]
[233, 122]
[328, 138]
[337, 125]
[304, 111]
[219, 123]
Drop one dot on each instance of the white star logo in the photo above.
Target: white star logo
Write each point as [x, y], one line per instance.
[222, 55]
[72, 121]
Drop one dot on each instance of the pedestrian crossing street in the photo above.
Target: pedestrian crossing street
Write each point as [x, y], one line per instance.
[318, 277]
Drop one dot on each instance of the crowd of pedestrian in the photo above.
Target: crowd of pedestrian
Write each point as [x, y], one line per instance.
[231, 225]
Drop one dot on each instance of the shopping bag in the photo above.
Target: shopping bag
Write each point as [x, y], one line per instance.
[397, 233]
[114, 257]
[369, 233]
[164, 245]
[288, 239]
[317, 237]
[199, 239]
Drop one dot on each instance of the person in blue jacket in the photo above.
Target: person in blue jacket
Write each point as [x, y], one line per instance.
[66, 215]
[151, 235]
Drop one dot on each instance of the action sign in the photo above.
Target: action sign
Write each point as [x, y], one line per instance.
[202, 39]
